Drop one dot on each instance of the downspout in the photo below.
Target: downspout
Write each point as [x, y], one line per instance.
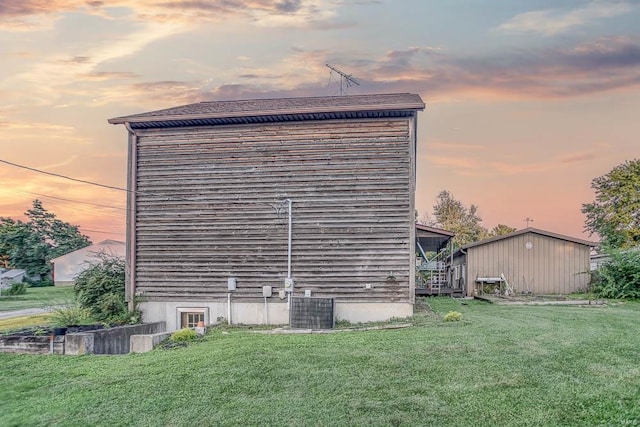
[266, 312]
[290, 241]
[464, 279]
[130, 249]
[289, 250]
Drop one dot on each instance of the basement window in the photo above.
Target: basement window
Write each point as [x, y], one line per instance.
[189, 317]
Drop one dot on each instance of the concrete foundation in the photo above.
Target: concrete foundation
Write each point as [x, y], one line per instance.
[108, 341]
[277, 312]
[147, 342]
[31, 344]
[372, 312]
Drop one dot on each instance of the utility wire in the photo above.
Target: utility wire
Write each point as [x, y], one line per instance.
[111, 187]
[65, 177]
[77, 201]
[102, 232]
[59, 201]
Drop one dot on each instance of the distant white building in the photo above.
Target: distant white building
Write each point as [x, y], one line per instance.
[9, 277]
[67, 267]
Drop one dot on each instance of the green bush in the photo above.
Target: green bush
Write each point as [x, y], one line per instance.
[38, 283]
[101, 289]
[183, 335]
[619, 277]
[16, 289]
[72, 316]
[453, 316]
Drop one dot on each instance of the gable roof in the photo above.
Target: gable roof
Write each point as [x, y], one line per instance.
[528, 230]
[432, 239]
[435, 230]
[95, 248]
[277, 110]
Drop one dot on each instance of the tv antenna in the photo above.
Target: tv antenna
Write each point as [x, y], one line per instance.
[346, 80]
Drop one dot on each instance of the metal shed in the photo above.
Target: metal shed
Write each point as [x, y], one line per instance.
[530, 261]
[236, 205]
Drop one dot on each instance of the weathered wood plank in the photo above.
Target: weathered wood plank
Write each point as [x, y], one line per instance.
[210, 206]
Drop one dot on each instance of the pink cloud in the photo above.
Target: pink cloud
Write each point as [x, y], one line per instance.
[576, 157]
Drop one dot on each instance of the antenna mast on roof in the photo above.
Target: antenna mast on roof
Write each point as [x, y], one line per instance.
[346, 80]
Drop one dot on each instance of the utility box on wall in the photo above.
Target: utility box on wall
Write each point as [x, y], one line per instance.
[312, 313]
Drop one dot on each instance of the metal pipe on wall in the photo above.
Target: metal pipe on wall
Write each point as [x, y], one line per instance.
[289, 240]
[266, 312]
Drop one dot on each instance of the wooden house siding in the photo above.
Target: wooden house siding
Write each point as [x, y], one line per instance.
[210, 204]
[550, 266]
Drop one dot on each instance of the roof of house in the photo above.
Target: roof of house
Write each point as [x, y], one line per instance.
[435, 230]
[529, 230]
[432, 239]
[277, 110]
[10, 274]
[109, 242]
[91, 248]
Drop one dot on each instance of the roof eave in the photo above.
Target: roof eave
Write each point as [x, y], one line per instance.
[344, 109]
[529, 230]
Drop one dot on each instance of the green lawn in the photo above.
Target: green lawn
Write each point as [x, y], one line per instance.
[48, 296]
[499, 366]
[8, 326]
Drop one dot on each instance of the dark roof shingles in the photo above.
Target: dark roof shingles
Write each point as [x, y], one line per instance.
[281, 106]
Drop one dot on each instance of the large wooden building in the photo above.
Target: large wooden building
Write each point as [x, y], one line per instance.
[530, 261]
[236, 205]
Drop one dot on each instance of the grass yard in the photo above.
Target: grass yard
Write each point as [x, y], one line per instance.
[12, 324]
[499, 366]
[47, 296]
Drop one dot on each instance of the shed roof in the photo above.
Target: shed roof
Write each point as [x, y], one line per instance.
[529, 230]
[10, 274]
[432, 239]
[95, 248]
[277, 110]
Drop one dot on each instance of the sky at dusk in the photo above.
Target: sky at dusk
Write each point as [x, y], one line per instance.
[527, 101]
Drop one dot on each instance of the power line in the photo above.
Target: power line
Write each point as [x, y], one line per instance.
[83, 209]
[78, 201]
[83, 181]
[66, 177]
[102, 232]
[111, 187]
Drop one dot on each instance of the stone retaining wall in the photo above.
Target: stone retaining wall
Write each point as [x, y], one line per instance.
[101, 341]
[31, 344]
[108, 341]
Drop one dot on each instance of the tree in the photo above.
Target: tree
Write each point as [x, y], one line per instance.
[31, 245]
[101, 289]
[615, 212]
[620, 276]
[6, 230]
[501, 230]
[450, 214]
